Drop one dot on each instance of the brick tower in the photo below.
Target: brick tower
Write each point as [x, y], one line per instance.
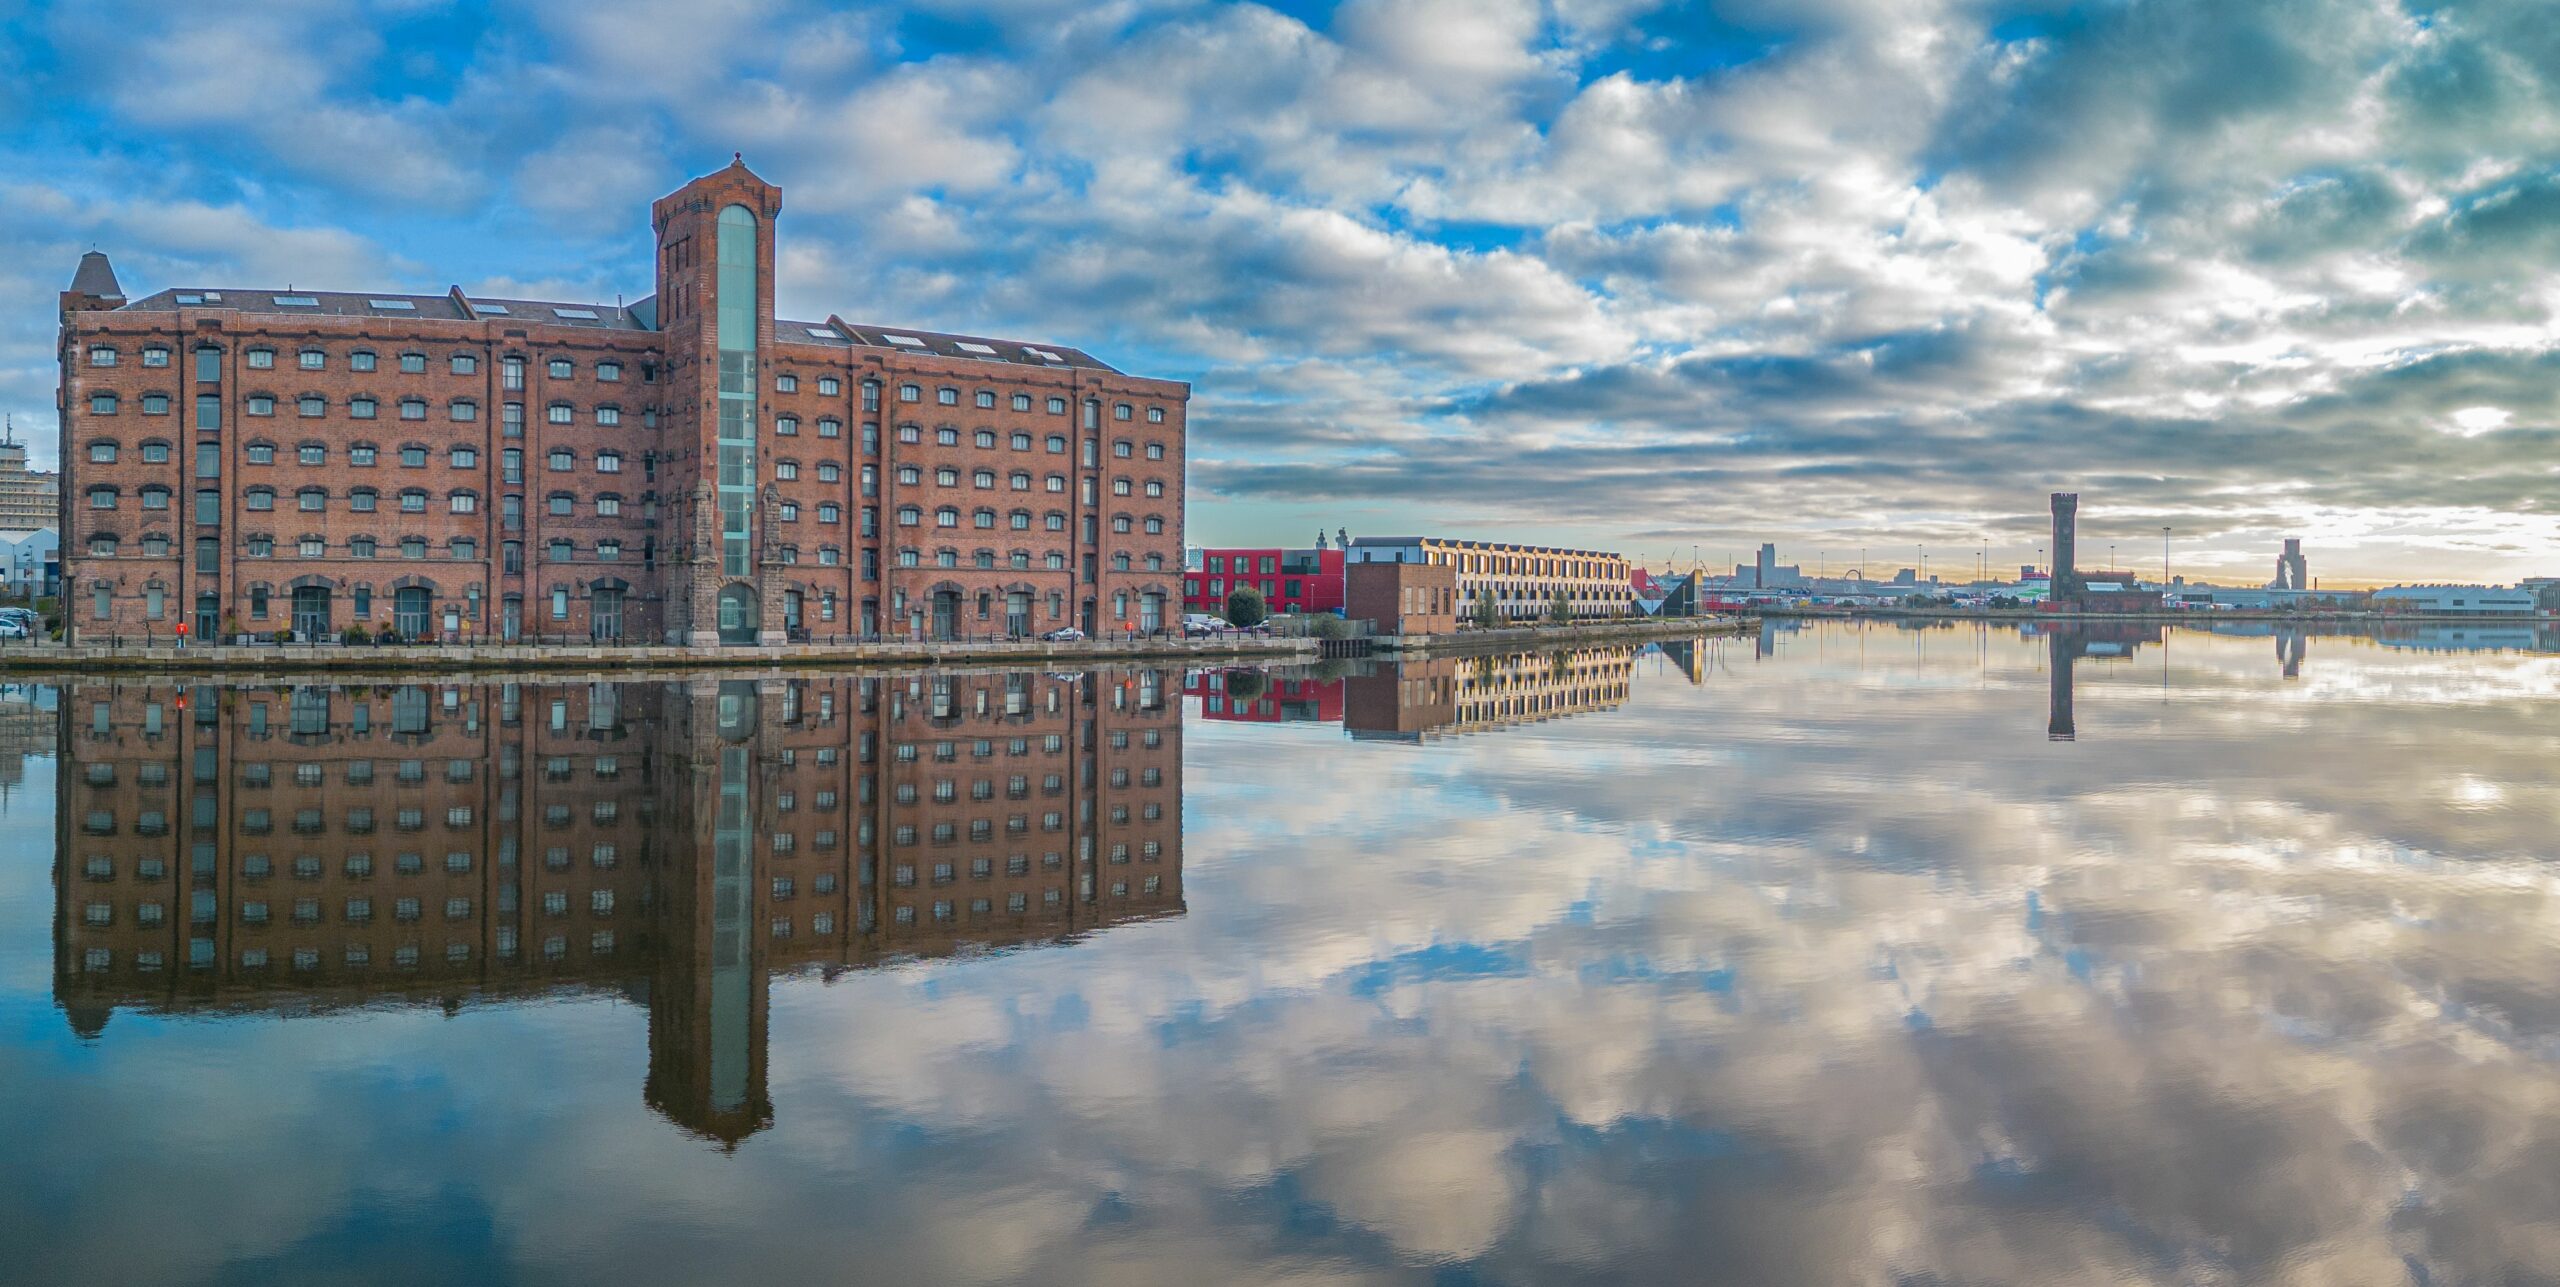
[715, 310]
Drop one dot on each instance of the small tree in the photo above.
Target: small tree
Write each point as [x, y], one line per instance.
[1246, 685]
[1560, 611]
[1486, 617]
[1246, 609]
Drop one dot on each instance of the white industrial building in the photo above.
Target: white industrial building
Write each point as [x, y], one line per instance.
[2473, 600]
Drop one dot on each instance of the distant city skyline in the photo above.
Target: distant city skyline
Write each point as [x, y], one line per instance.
[1630, 275]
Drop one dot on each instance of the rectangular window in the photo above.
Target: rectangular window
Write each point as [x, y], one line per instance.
[209, 411]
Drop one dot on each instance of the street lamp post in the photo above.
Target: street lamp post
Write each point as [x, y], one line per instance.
[2164, 558]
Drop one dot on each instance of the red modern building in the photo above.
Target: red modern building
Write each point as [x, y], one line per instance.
[1300, 581]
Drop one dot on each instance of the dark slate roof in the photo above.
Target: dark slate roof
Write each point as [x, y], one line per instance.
[96, 277]
[441, 308]
[641, 316]
[977, 348]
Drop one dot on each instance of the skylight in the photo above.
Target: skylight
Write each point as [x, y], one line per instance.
[1042, 354]
[908, 340]
[391, 303]
[479, 306]
[297, 301]
[582, 314]
[825, 333]
[187, 297]
[967, 347]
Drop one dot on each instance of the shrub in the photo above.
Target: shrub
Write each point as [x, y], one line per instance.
[1246, 609]
[1245, 685]
[355, 634]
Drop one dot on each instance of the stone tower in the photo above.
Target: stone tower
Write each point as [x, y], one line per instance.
[2066, 546]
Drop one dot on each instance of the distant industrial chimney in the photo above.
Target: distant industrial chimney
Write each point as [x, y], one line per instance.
[2066, 546]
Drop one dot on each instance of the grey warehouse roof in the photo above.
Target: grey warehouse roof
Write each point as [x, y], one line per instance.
[641, 316]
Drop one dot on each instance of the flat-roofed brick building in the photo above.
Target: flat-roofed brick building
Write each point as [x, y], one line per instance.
[687, 468]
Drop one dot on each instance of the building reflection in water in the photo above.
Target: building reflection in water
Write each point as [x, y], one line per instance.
[1419, 701]
[300, 848]
[1256, 696]
[2066, 645]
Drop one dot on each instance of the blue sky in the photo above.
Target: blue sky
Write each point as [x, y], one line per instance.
[1647, 274]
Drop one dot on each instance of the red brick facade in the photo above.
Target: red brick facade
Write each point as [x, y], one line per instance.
[1403, 598]
[523, 469]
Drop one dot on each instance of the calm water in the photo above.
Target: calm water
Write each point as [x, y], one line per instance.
[1844, 955]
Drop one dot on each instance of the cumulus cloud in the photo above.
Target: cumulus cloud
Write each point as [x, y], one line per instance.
[2130, 248]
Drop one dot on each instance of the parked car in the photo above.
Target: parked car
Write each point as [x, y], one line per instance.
[13, 628]
[1196, 625]
[1064, 634]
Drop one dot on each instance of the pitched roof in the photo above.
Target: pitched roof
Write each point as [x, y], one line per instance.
[641, 316]
[440, 308]
[978, 348]
[96, 276]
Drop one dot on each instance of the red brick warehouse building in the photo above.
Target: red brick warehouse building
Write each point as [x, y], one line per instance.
[687, 468]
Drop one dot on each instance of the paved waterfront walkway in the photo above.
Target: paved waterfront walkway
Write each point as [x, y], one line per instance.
[1588, 634]
[19, 656]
